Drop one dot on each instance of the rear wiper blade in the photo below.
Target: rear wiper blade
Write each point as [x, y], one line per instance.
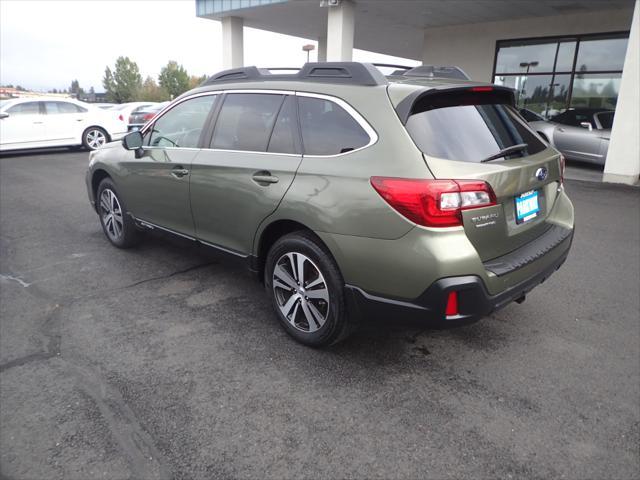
[506, 151]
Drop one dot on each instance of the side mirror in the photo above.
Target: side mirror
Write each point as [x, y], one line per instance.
[3, 115]
[132, 141]
[586, 125]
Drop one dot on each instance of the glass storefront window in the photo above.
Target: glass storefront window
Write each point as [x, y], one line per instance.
[596, 90]
[599, 55]
[556, 83]
[566, 52]
[510, 58]
[542, 94]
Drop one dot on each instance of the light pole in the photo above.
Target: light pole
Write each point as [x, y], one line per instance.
[308, 48]
[528, 65]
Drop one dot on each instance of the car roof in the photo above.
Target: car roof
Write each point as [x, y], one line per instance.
[335, 78]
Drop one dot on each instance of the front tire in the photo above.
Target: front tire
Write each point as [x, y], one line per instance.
[307, 290]
[94, 137]
[117, 225]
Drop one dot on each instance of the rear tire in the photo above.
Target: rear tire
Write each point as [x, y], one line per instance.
[94, 137]
[117, 224]
[307, 290]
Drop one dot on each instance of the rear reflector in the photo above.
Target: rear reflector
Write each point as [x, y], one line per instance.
[434, 203]
[452, 304]
[121, 118]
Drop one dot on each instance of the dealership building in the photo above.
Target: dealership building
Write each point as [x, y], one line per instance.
[556, 54]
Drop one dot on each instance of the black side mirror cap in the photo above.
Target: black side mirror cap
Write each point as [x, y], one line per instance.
[132, 141]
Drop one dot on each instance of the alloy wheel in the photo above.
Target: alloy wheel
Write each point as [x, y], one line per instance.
[96, 138]
[111, 214]
[301, 292]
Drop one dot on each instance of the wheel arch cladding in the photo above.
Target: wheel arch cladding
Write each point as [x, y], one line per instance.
[96, 178]
[275, 231]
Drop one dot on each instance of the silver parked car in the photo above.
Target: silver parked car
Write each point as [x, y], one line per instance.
[579, 133]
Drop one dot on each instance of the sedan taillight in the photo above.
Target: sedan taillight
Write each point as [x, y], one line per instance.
[434, 203]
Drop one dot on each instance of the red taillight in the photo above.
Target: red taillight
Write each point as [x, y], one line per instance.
[563, 165]
[481, 89]
[452, 304]
[148, 116]
[434, 203]
[121, 118]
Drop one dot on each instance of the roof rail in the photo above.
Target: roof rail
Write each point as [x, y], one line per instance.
[350, 73]
[392, 65]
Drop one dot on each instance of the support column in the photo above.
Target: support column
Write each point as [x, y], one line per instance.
[322, 48]
[623, 158]
[232, 42]
[340, 32]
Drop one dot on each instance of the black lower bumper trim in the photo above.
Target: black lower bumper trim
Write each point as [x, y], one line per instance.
[474, 301]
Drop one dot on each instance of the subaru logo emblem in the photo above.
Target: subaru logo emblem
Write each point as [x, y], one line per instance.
[541, 173]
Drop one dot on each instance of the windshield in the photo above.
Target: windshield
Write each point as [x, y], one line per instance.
[471, 133]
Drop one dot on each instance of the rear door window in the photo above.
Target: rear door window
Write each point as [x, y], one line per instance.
[469, 128]
[328, 129]
[245, 121]
[54, 108]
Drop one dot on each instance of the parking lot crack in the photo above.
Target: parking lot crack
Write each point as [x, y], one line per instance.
[135, 443]
[147, 280]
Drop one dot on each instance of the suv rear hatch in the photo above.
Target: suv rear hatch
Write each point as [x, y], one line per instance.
[474, 132]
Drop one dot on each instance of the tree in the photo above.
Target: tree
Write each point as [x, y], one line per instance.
[75, 88]
[55, 90]
[151, 92]
[174, 79]
[92, 91]
[124, 83]
[195, 81]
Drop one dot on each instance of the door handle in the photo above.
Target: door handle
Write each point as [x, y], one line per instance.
[560, 129]
[37, 123]
[264, 178]
[179, 172]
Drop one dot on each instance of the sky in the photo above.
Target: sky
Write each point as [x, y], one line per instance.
[45, 44]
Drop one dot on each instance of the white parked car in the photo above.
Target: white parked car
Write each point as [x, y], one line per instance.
[55, 122]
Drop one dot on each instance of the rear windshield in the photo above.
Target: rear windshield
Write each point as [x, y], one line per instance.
[454, 128]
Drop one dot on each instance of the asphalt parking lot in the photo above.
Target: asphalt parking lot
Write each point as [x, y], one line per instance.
[159, 362]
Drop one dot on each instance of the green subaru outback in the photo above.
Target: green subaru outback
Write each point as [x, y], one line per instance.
[349, 193]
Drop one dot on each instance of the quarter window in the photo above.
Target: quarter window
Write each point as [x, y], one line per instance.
[28, 108]
[327, 129]
[245, 121]
[182, 125]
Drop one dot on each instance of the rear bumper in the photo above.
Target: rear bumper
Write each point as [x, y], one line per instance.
[474, 300]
